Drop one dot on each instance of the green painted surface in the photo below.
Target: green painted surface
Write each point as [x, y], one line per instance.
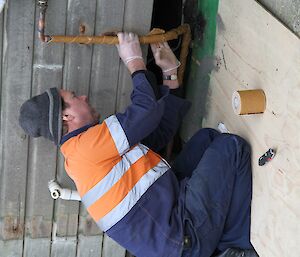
[201, 64]
[208, 10]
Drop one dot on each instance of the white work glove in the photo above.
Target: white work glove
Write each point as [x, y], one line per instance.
[164, 57]
[129, 47]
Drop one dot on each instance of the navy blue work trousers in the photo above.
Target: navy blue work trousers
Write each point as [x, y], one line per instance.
[217, 171]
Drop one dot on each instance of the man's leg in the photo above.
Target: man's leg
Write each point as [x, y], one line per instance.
[237, 226]
[192, 152]
[218, 197]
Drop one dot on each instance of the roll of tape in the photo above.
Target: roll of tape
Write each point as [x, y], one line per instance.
[249, 101]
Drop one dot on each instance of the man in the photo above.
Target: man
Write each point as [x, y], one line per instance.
[197, 208]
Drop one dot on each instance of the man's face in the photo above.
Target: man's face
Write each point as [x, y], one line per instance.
[78, 112]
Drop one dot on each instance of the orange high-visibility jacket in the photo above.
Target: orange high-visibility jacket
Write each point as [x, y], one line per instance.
[110, 175]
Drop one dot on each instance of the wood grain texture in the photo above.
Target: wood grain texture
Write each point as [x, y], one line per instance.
[15, 88]
[47, 72]
[31, 223]
[257, 52]
[106, 61]
[140, 25]
[111, 248]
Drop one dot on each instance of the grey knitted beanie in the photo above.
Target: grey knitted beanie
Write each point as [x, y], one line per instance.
[41, 116]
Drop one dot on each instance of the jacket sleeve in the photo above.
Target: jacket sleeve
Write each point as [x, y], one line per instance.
[144, 113]
[175, 110]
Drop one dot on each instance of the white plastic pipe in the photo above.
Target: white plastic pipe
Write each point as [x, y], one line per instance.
[63, 193]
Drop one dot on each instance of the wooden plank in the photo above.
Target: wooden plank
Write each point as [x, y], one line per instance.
[90, 237]
[11, 248]
[256, 51]
[107, 78]
[111, 248]
[89, 246]
[1, 40]
[64, 231]
[1, 82]
[110, 79]
[139, 24]
[103, 95]
[47, 72]
[65, 247]
[78, 56]
[16, 81]
[76, 78]
[105, 65]
[37, 247]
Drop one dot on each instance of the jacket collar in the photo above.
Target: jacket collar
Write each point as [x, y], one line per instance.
[76, 132]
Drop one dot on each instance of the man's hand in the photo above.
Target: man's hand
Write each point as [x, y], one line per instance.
[130, 52]
[167, 61]
[164, 56]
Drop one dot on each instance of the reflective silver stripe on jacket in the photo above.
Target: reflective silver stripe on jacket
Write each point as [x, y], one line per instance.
[117, 134]
[114, 175]
[118, 171]
[132, 197]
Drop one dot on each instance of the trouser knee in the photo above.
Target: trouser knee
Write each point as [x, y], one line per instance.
[241, 143]
[235, 147]
[205, 133]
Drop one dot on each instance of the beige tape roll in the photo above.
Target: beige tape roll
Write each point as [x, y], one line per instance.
[249, 101]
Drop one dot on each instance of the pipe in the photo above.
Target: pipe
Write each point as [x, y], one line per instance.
[156, 36]
[162, 36]
[183, 30]
[42, 4]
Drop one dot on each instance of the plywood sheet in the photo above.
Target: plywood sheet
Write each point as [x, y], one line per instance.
[255, 51]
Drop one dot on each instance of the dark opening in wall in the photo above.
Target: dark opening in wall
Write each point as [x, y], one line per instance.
[166, 15]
